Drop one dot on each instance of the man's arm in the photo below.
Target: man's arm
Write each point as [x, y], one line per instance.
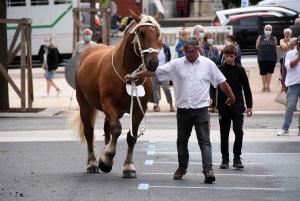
[227, 90]
[295, 62]
[127, 78]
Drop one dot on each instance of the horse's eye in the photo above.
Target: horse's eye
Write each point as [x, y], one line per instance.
[141, 33]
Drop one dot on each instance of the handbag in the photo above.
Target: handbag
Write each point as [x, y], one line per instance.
[281, 97]
[44, 66]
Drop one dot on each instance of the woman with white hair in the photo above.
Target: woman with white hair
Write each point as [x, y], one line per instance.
[267, 57]
[199, 33]
[285, 43]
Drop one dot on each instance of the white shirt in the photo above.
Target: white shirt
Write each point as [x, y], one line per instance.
[191, 81]
[80, 46]
[292, 74]
[161, 57]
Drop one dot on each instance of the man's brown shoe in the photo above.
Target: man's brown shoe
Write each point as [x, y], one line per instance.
[209, 177]
[179, 173]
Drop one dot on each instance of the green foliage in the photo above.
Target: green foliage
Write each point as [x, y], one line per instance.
[102, 2]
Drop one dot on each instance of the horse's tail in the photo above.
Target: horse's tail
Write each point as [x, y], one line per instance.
[77, 126]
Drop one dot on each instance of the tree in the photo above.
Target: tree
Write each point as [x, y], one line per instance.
[4, 98]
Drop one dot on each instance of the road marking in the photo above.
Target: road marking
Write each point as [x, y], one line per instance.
[146, 187]
[197, 153]
[199, 174]
[150, 152]
[150, 162]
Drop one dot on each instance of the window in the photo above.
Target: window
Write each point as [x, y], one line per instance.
[62, 1]
[251, 21]
[39, 2]
[16, 3]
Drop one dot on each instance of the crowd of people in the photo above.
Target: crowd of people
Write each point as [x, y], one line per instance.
[202, 78]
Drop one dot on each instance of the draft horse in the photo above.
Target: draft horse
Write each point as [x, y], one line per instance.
[100, 86]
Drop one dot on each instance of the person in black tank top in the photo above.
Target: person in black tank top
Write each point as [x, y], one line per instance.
[267, 57]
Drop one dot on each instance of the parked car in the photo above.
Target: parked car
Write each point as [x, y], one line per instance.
[223, 15]
[245, 28]
[291, 4]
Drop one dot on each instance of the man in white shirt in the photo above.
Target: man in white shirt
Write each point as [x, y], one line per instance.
[83, 44]
[191, 76]
[292, 81]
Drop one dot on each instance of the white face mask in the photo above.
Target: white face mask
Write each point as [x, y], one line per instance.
[210, 41]
[201, 34]
[227, 42]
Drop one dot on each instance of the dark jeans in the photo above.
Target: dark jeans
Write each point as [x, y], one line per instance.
[237, 118]
[186, 119]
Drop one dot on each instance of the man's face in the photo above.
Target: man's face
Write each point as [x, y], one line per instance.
[229, 58]
[191, 53]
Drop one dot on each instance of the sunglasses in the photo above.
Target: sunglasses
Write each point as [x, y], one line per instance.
[189, 52]
[268, 29]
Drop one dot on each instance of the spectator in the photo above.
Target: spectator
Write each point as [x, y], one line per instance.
[211, 51]
[199, 33]
[284, 44]
[51, 64]
[83, 44]
[292, 45]
[292, 81]
[267, 57]
[296, 28]
[164, 56]
[230, 40]
[191, 76]
[238, 81]
[184, 33]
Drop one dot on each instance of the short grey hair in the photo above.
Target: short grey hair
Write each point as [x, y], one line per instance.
[268, 25]
[85, 30]
[190, 41]
[197, 28]
[287, 30]
[293, 41]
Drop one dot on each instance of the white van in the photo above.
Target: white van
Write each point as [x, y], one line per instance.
[291, 4]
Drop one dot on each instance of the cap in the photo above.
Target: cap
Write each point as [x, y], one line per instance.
[298, 39]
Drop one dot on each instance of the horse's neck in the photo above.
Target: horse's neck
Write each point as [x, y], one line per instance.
[129, 59]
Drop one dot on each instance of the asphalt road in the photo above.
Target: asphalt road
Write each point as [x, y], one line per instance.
[258, 121]
[56, 171]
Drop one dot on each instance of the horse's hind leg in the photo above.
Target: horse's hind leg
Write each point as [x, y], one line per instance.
[88, 116]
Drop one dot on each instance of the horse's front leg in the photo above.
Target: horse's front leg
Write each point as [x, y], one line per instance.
[129, 170]
[106, 160]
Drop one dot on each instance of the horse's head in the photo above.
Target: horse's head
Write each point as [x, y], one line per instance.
[147, 31]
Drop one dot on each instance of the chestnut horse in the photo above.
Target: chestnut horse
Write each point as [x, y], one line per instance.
[100, 86]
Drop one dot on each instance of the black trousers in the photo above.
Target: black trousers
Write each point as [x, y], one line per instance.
[237, 118]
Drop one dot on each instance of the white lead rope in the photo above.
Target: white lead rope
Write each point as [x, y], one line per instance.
[142, 131]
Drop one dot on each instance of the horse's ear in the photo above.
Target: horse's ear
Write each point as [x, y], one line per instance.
[157, 16]
[135, 16]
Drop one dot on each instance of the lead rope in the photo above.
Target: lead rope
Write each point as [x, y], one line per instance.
[142, 131]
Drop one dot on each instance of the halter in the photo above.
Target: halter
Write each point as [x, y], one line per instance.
[139, 70]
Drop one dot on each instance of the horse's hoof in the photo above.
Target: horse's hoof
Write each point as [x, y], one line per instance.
[129, 174]
[93, 170]
[103, 167]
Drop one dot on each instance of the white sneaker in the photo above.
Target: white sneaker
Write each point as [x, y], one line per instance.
[46, 95]
[58, 92]
[282, 132]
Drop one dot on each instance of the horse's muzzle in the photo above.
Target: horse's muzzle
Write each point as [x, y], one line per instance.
[151, 65]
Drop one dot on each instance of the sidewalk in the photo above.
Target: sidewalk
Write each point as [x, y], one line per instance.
[66, 103]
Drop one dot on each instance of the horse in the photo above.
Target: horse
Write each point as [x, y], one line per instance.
[100, 86]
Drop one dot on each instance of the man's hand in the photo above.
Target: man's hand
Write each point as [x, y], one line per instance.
[230, 101]
[127, 78]
[249, 112]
